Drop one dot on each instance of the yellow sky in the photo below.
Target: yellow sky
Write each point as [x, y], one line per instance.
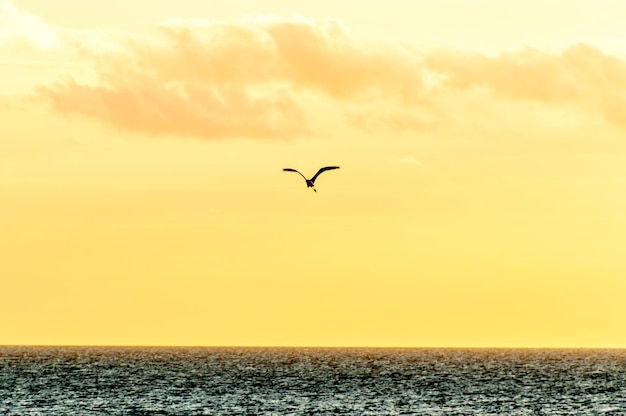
[480, 200]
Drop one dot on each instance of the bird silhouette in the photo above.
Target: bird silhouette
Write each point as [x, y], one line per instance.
[310, 183]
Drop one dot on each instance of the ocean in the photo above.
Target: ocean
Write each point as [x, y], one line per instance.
[142, 381]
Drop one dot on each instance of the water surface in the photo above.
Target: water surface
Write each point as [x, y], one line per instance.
[310, 381]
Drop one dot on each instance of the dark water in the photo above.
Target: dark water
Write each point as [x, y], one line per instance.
[292, 381]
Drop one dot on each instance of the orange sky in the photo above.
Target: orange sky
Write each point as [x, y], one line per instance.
[479, 202]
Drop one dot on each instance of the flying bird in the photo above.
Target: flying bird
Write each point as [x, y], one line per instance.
[310, 183]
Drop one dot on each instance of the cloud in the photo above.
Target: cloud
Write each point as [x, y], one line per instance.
[300, 52]
[408, 160]
[141, 103]
[250, 78]
[20, 30]
[580, 75]
[271, 76]
[395, 118]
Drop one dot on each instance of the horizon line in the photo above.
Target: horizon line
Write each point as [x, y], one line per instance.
[305, 347]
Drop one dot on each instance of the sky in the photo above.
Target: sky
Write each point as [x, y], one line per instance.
[480, 200]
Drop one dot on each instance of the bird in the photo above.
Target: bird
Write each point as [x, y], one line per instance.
[310, 183]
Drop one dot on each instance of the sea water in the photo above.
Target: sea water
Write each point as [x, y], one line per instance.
[310, 381]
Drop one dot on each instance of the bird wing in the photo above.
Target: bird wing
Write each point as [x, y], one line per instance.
[324, 169]
[293, 170]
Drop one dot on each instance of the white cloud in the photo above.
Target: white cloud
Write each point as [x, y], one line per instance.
[408, 160]
[19, 30]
